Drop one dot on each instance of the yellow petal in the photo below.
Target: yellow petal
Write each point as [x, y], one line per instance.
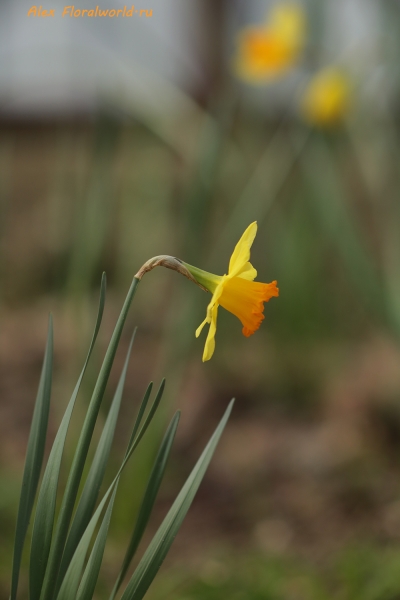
[211, 318]
[210, 341]
[248, 272]
[200, 327]
[241, 253]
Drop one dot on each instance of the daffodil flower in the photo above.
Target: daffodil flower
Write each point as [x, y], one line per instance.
[237, 291]
[268, 51]
[326, 99]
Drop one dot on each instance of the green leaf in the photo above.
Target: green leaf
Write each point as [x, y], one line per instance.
[128, 453]
[91, 574]
[46, 505]
[71, 490]
[34, 458]
[149, 498]
[161, 542]
[70, 584]
[95, 477]
[140, 414]
[135, 439]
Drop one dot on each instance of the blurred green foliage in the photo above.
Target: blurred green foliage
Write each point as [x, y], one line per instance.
[360, 572]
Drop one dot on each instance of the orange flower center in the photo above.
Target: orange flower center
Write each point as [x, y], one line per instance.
[245, 299]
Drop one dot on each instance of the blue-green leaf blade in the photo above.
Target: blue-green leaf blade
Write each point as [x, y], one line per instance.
[149, 498]
[74, 478]
[162, 541]
[34, 458]
[139, 417]
[91, 573]
[46, 505]
[95, 477]
[70, 584]
[137, 435]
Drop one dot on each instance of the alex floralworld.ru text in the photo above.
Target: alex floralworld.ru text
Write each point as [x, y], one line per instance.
[71, 11]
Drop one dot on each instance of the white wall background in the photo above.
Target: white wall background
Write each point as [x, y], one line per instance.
[61, 65]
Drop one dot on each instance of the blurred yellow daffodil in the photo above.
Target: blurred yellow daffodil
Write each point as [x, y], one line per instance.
[327, 97]
[237, 291]
[268, 51]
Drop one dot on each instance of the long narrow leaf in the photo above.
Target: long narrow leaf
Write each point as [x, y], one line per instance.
[95, 477]
[71, 490]
[70, 583]
[45, 509]
[149, 498]
[130, 447]
[91, 573]
[161, 542]
[34, 458]
[140, 414]
[72, 578]
[135, 439]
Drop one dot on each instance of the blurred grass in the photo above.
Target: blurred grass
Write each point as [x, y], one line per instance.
[358, 572]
